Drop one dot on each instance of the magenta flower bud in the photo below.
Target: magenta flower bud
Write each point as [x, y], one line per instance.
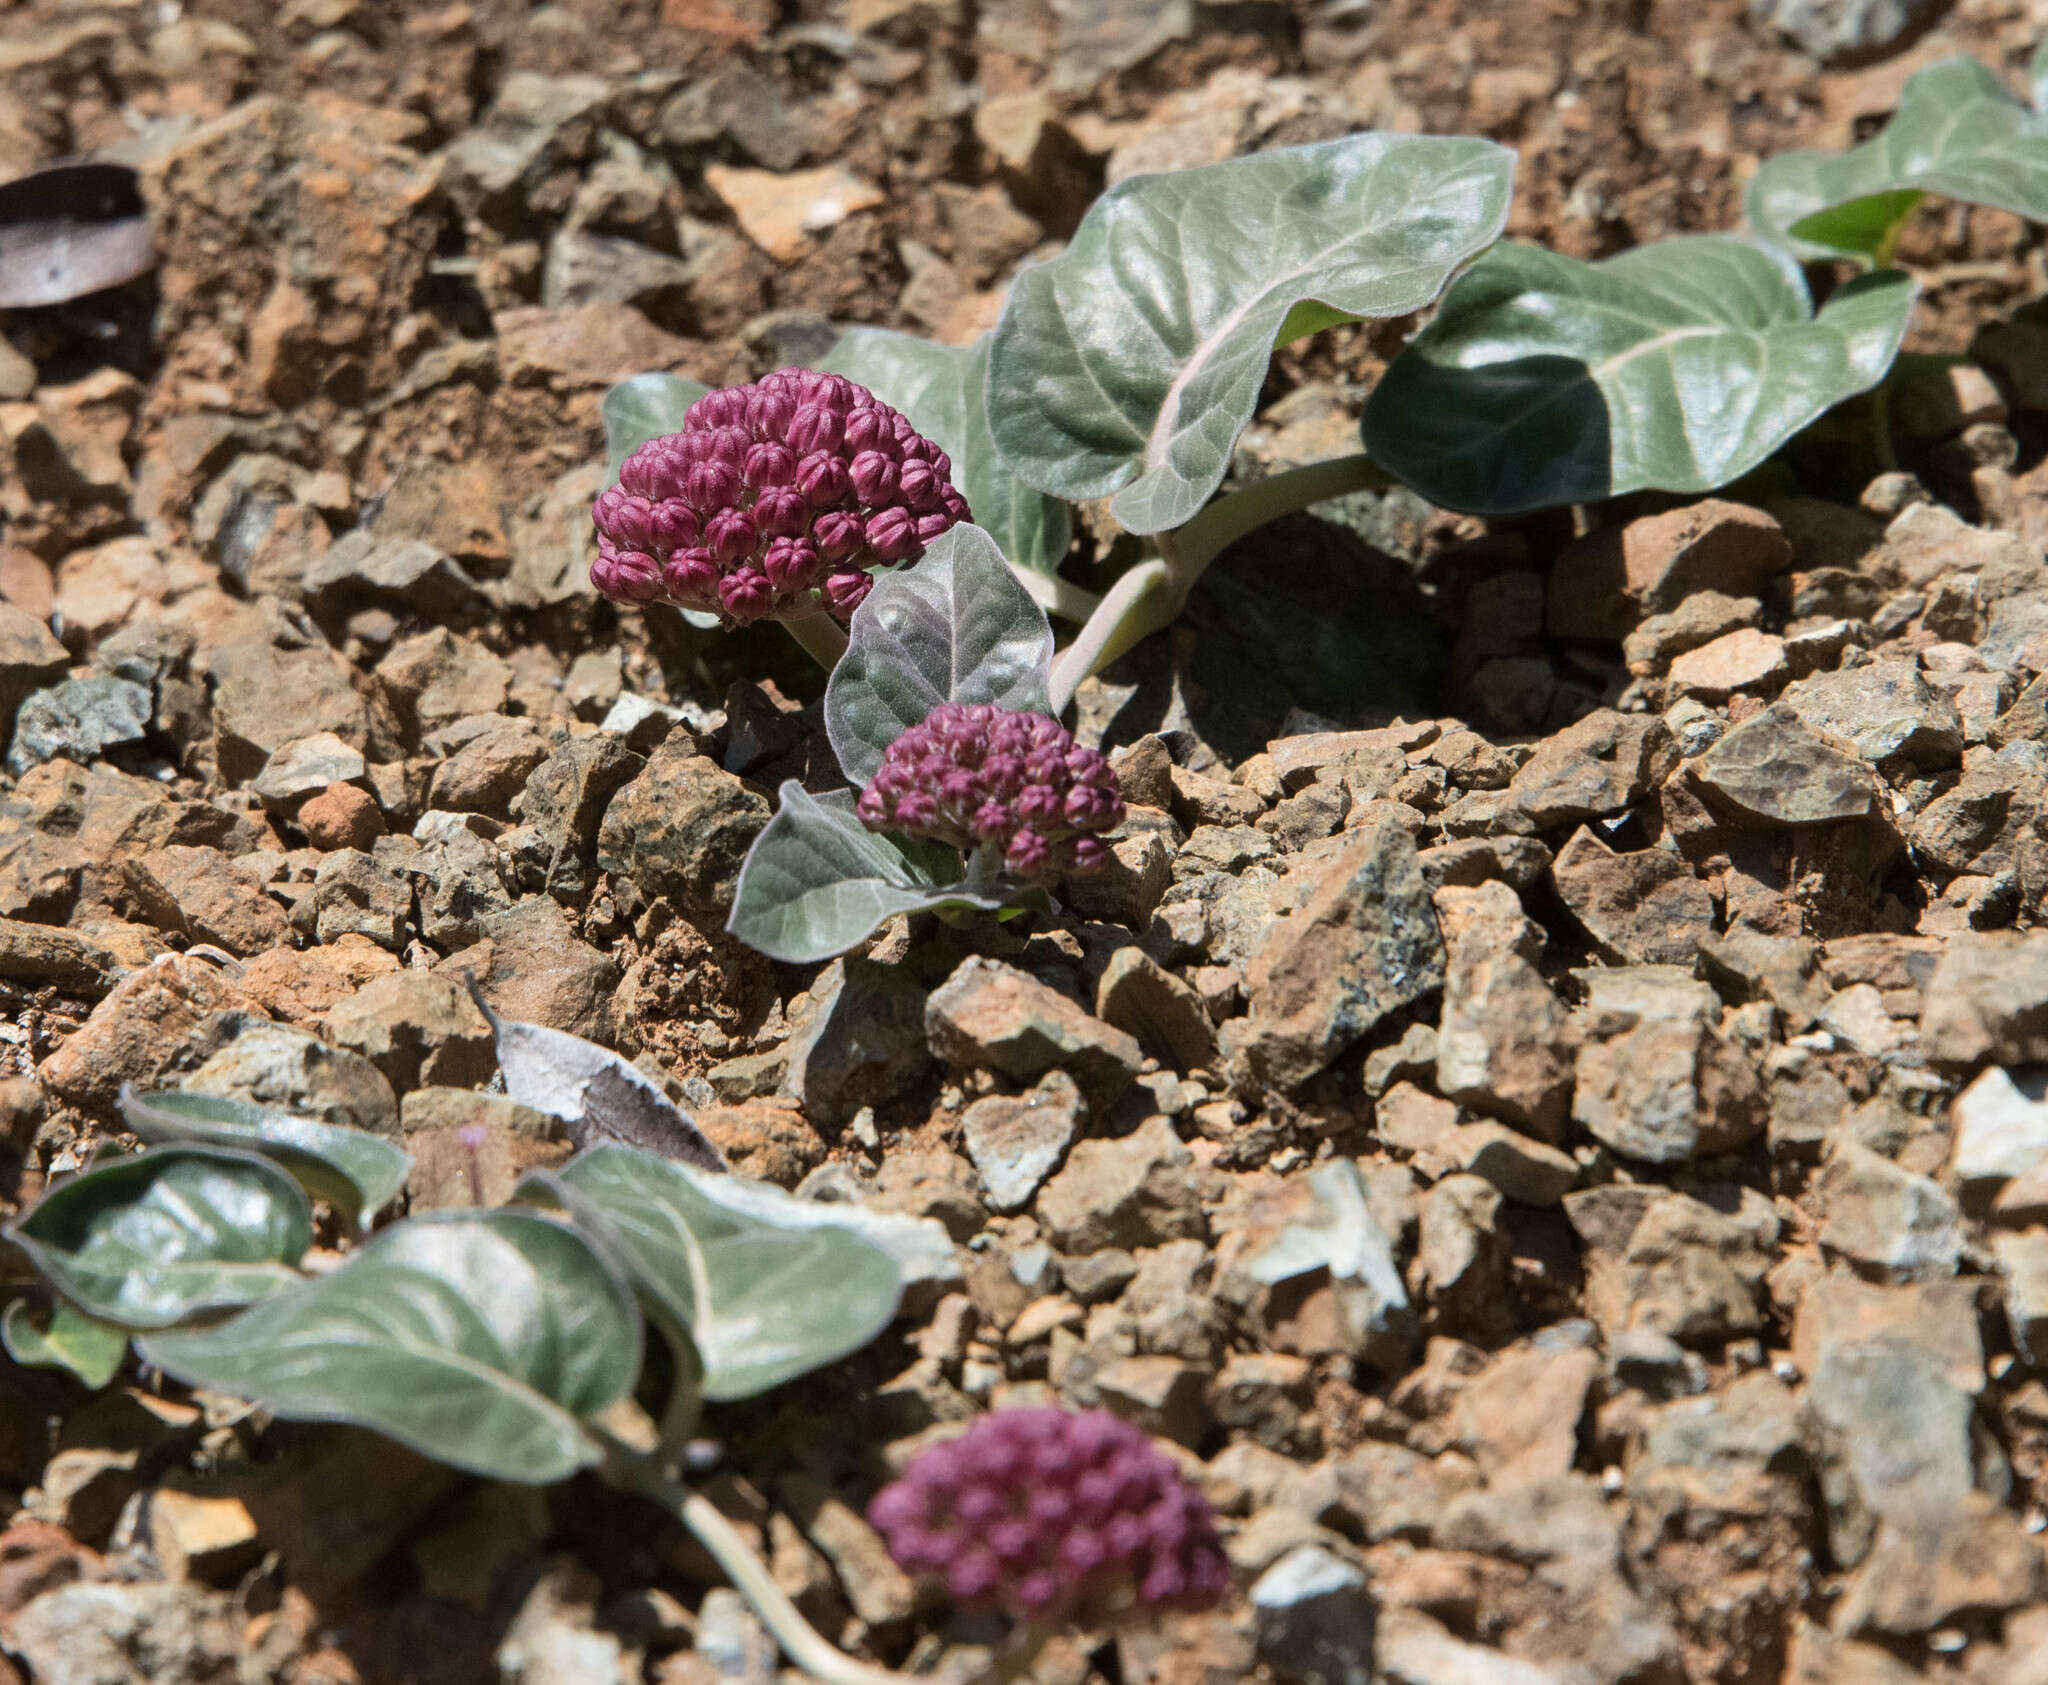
[978, 1518]
[770, 464]
[625, 576]
[790, 564]
[777, 497]
[978, 789]
[874, 478]
[746, 595]
[823, 479]
[729, 536]
[892, 534]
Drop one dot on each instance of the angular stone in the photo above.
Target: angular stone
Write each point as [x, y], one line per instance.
[1314, 1619]
[1140, 996]
[2001, 1130]
[354, 896]
[1928, 1571]
[1606, 581]
[2023, 1261]
[488, 770]
[1604, 764]
[537, 969]
[862, 1045]
[990, 1016]
[1673, 1263]
[305, 766]
[1777, 769]
[1507, 1044]
[266, 697]
[564, 805]
[786, 214]
[1429, 1131]
[417, 1028]
[197, 893]
[436, 678]
[1742, 660]
[1139, 1190]
[405, 573]
[135, 1033]
[682, 827]
[1988, 1000]
[1885, 1219]
[279, 1065]
[1656, 1079]
[1641, 908]
[79, 720]
[1363, 943]
[1163, 1395]
[1885, 708]
[1518, 1419]
[341, 816]
[1015, 1144]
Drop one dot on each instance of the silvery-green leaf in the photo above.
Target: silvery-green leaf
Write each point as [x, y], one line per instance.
[174, 1233]
[763, 1300]
[955, 626]
[78, 1344]
[1673, 367]
[940, 387]
[641, 408]
[817, 881]
[355, 1172]
[1130, 362]
[599, 1095]
[1958, 131]
[483, 1339]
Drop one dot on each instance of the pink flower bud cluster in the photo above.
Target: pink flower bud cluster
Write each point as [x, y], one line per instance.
[974, 774]
[1051, 1516]
[773, 501]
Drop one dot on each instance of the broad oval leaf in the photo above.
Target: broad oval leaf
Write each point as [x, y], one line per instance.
[483, 1339]
[174, 1233]
[941, 388]
[80, 1345]
[354, 1171]
[955, 627]
[1131, 362]
[1958, 131]
[1674, 367]
[643, 407]
[817, 881]
[764, 1302]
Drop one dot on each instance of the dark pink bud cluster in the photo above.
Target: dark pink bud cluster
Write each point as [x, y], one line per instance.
[773, 502]
[972, 774]
[1050, 1516]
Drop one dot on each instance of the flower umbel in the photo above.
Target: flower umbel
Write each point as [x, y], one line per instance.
[973, 774]
[773, 502]
[1051, 1516]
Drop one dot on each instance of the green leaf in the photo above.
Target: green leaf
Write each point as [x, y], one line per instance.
[817, 881]
[1131, 362]
[355, 1172]
[764, 1300]
[80, 1345]
[941, 388]
[957, 627]
[171, 1234]
[482, 1339]
[1675, 367]
[1958, 131]
[644, 407]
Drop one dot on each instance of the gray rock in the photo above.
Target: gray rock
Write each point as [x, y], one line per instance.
[1315, 1619]
[2023, 1261]
[417, 1027]
[1888, 1221]
[536, 124]
[1412, 1649]
[1605, 763]
[98, 1633]
[1014, 1144]
[275, 1065]
[2001, 1129]
[1363, 943]
[353, 895]
[563, 805]
[681, 828]
[1846, 31]
[79, 720]
[1136, 1191]
[29, 658]
[1097, 38]
[991, 1016]
[1885, 708]
[1138, 995]
[1656, 1080]
[586, 268]
[1641, 908]
[863, 1043]
[732, 1640]
[359, 570]
[305, 766]
[1777, 769]
[1988, 1000]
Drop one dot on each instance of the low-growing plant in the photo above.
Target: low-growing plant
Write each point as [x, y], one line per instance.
[1125, 367]
[510, 1342]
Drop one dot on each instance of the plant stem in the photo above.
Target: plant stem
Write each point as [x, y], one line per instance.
[822, 637]
[1152, 594]
[1015, 1662]
[1228, 519]
[1056, 595]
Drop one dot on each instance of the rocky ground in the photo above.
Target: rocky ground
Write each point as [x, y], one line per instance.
[1602, 946]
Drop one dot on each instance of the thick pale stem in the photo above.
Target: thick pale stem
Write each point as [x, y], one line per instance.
[1056, 595]
[1148, 598]
[1228, 519]
[1137, 605]
[823, 638]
